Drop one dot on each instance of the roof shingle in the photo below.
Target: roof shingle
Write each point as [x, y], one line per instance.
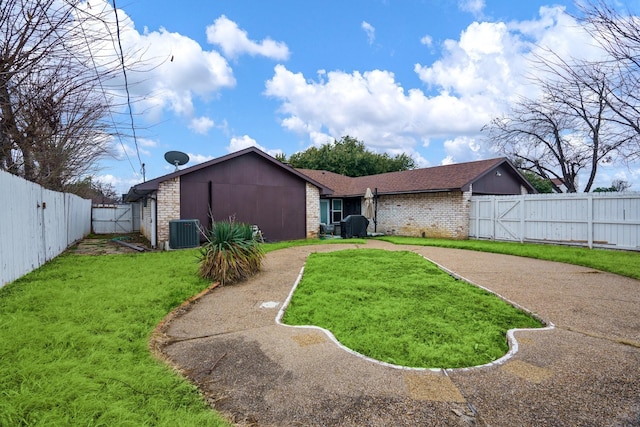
[439, 178]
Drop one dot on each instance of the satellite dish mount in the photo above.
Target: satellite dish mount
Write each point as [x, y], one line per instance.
[176, 158]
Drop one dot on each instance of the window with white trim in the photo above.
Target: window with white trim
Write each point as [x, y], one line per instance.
[336, 210]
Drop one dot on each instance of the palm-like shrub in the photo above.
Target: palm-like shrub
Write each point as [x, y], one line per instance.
[231, 253]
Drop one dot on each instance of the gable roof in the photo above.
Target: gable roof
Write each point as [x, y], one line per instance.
[138, 191]
[455, 177]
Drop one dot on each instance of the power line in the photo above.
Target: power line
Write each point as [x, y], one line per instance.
[102, 89]
[126, 82]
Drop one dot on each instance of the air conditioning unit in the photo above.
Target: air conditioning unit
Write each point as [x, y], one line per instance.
[184, 233]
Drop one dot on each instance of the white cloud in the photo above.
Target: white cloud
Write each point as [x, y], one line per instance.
[487, 61]
[448, 160]
[370, 106]
[196, 159]
[121, 185]
[201, 125]
[427, 40]
[472, 83]
[238, 143]
[370, 30]
[474, 7]
[145, 142]
[123, 150]
[235, 42]
[464, 149]
[165, 70]
[475, 80]
[109, 179]
[494, 59]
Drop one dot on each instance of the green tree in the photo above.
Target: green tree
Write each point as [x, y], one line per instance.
[351, 158]
[542, 185]
[616, 185]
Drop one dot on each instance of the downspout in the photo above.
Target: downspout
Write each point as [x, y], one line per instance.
[154, 226]
[210, 205]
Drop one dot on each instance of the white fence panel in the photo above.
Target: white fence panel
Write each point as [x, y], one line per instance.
[112, 219]
[36, 225]
[78, 221]
[608, 220]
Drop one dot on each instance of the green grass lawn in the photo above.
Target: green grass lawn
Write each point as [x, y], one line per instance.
[74, 340]
[74, 334]
[625, 263]
[399, 308]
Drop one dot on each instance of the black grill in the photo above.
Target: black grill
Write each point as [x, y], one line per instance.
[354, 226]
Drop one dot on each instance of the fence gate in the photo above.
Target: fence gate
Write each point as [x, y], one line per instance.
[507, 216]
[607, 220]
[112, 219]
[497, 218]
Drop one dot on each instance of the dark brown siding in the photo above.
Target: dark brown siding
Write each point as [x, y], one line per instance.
[501, 180]
[250, 189]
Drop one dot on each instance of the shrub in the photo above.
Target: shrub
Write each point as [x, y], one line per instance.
[231, 253]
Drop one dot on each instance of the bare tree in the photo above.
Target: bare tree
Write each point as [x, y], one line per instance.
[620, 185]
[53, 103]
[562, 133]
[618, 33]
[587, 113]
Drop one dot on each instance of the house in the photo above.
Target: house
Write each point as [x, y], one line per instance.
[248, 185]
[429, 202]
[559, 186]
[288, 203]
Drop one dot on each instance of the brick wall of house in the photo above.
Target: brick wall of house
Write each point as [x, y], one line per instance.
[313, 211]
[443, 215]
[168, 207]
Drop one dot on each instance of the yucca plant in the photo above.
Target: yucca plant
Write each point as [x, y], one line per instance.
[231, 253]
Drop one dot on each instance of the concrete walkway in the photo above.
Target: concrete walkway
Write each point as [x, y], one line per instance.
[584, 372]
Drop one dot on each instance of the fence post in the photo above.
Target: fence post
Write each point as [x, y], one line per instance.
[522, 214]
[494, 219]
[477, 212]
[590, 220]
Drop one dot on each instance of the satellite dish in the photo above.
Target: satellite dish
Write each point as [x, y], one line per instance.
[176, 158]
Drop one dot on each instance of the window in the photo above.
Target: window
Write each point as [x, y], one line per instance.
[336, 210]
[324, 211]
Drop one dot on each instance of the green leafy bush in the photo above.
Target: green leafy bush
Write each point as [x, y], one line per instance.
[231, 253]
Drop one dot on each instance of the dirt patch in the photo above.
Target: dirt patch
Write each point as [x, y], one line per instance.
[107, 244]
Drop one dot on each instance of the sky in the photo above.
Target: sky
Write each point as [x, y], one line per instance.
[404, 76]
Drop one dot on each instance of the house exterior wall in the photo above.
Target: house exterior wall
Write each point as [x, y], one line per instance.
[502, 180]
[168, 197]
[146, 220]
[251, 190]
[313, 211]
[442, 215]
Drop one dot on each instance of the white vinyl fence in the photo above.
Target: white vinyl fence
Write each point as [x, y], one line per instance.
[606, 220]
[36, 225]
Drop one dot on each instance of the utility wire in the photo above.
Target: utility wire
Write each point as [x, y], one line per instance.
[126, 82]
[104, 93]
